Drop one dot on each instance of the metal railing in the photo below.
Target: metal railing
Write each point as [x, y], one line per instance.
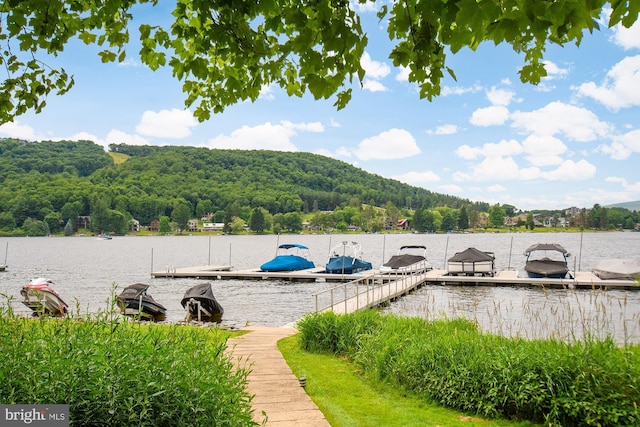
[367, 292]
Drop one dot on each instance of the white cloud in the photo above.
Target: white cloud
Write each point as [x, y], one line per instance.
[543, 150]
[575, 123]
[417, 178]
[444, 130]
[307, 127]
[623, 145]
[173, 123]
[501, 97]
[16, 130]
[450, 189]
[496, 188]
[500, 149]
[490, 116]
[266, 92]
[374, 69]
[373, 86]
[118, 137]
[621, 87]
[403, 74]
[553, 71]
[391, 144]
[635, 187]
[627, 38]
[459, 90]
[261, 137]
[571, 171]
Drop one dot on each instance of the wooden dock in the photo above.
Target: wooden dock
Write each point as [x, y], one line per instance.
[223, 272]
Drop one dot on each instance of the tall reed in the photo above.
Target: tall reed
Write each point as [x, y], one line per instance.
[115, 372]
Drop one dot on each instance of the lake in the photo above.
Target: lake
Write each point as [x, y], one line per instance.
[86, 269]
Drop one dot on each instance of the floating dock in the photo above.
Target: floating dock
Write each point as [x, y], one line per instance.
[579, 280]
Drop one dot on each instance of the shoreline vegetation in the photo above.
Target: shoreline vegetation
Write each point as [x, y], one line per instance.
[116, 372]
[363, 369]
[142, 233]
[591, 382]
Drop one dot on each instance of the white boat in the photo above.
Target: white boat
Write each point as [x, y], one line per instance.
[617, 269]
[472, 262]
[409, 259]
[40, 297]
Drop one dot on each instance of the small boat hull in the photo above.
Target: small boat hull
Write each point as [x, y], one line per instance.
[546, 267]
[42, 299]
[134, 301]
[289, 257]
[472, 262]
[346, 265]
[201, 304]
[617, 269]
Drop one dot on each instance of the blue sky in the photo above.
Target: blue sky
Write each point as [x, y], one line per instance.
[573, 140]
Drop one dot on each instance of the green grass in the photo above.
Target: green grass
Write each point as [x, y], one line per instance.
[347, 398]
[452, 363]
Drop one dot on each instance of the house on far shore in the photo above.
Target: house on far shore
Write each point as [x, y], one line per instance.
[192, 225]
[403, 224]
[212, 226]
[154, 225]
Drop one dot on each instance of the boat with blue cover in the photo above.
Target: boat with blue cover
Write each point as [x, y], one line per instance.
[289, 257]
[346, 258]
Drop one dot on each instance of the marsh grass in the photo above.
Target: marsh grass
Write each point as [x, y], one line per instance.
[451, 362]
[115, 372]
[563, 314]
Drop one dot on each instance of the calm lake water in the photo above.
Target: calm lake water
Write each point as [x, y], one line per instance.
[85, 269]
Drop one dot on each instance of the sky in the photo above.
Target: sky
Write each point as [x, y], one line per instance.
[572, 140]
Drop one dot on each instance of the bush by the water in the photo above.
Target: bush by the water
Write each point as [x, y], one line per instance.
[113, 372]
[585, 383]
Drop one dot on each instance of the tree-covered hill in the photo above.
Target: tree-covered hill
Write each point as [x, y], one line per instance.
[57, 181]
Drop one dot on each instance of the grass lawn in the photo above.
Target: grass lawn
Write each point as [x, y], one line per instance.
[348, 399]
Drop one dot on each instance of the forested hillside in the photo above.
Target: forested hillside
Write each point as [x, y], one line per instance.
[53, 182]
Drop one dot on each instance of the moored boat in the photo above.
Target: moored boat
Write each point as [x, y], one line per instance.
[201, 304]
[409, 259]
[346, 258]
[617, 269]
[552, 262]
[40, 297]
[472, 262]
[289, 257]
[134, 301]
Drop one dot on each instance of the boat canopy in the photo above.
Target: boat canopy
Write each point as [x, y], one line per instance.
[547, 247]
[413, 247]
[472, 255]
[202, 292]
[292, 245]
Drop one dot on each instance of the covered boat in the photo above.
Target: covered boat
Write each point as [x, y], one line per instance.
[201, 304]
[346, 258]
[409, 259]
[547, 260]
[289, 257]
[40, 297]
[472, 262]
[136, 302]
[620, 269]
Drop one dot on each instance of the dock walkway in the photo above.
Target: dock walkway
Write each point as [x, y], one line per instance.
[279, 400]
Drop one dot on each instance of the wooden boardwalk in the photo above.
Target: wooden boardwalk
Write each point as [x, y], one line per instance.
[278, 398]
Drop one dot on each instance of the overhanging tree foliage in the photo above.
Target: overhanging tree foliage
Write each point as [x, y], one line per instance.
[224, 52]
